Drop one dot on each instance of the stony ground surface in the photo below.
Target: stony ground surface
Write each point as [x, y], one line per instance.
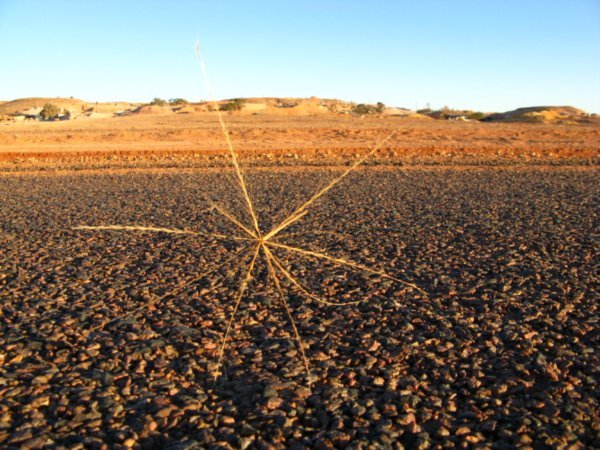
[501, 353]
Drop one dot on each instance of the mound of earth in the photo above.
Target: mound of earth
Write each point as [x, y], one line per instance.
[94, 115]
[255, 106]
[152, 110]
[111, 107]
[289, 106]
[543, 114]
[414, 115]
[186, 109]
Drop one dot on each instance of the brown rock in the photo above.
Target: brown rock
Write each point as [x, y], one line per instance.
[462, 431]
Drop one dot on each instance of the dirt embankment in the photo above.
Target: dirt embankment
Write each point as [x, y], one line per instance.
[74, 105]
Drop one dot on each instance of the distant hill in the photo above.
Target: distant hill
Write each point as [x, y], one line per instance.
[289, 106]
[75, 105]
[543, 114]
[267, 105]
[23, 104]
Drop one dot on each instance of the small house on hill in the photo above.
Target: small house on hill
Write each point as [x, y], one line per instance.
[456, 117]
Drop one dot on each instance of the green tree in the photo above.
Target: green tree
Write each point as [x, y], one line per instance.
[476, 115]
[49, 111]
[234, 105]
[158, 101]
[361, 108]
[177, 101]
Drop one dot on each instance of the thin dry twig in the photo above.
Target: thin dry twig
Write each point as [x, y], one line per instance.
[289, 314]
[243, 286]
[303, 289]
[236, 222]
[226, 134]
[301, 211]
[262, 243]
[158, 230]
[173, 292]
[345, 262]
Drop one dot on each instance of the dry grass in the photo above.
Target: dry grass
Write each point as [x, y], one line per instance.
[260, 245]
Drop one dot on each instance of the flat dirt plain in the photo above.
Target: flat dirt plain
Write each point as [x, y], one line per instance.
[165, 140]
[497, 223]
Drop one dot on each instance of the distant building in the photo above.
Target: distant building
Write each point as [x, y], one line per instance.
[31, 114]
[456, 117]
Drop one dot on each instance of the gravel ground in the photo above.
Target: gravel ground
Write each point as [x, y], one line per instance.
[501, 353]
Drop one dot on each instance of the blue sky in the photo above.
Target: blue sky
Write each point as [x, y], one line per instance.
[482, 55]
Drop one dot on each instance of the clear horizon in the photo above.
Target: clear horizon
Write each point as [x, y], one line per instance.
[494, 56]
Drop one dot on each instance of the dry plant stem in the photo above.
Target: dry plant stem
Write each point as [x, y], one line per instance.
[236, 222]
[303, 289]
[345, 262]
[287, 234]
[240, 295]
[289, 314]
[226, 134]
[296, 215]
[203, 275]
[102, 302]
[157, 230]
[259, 242]
[175, 291]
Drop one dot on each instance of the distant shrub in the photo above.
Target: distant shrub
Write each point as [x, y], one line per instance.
[478, 115]
[286, 104]
[177, 101]
[532, 118]
[158, 102]
[441, 113]
[234, 105]
[363, 108]
[50, 111]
